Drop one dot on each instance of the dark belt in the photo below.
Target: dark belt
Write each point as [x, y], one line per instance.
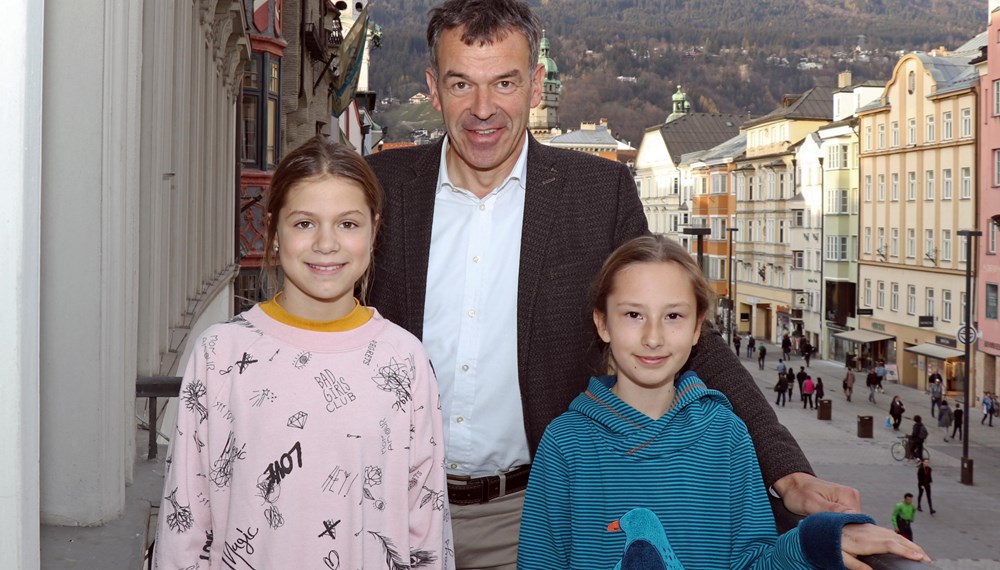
[479, 490]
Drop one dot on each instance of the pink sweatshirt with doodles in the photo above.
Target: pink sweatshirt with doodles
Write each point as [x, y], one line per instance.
[303, 449]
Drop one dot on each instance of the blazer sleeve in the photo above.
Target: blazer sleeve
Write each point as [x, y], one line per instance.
[430, 519]
[777, 451]
[632, 220]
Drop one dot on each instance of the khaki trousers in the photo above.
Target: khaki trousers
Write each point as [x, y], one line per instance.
[486, 535]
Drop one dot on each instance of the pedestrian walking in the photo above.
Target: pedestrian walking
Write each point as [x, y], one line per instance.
[807, 392]
[736, 343]
[958, 414]
[896, 409]
[849, 384]
[937, 391]
[781, 387]
[924, 481]
[989, 403]
[818, 391]
[872, 382]
[879, 375]
[903, 515]
[761, 353]
[944, 417]
[917, 437]
[786, 347]
[791, 384]
[781, 367]
[751, 345]
[807, 350]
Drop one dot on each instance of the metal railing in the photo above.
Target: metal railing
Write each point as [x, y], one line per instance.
[153, 387]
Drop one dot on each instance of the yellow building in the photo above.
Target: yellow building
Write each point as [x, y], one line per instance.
[765, 181]
[918, 164]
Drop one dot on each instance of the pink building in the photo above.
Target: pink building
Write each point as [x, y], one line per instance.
[988, 279]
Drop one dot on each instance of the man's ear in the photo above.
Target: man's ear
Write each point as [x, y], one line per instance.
[537, 80]
[601, 322]
[431, 77]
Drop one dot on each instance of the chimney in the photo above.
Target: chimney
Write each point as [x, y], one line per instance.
[844, 77]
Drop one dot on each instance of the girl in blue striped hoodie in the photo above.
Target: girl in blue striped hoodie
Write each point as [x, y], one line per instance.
[654, 442]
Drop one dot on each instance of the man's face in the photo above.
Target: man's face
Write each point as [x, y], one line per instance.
[485, 94]
[909, 500]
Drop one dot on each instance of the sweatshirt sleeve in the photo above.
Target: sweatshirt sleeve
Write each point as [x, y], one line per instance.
[755, 544]
[184, 526]
[777, 452]
[430, 519]
[546, 524]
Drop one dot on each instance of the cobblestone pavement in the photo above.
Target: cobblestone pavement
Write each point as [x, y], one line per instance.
[964, 533]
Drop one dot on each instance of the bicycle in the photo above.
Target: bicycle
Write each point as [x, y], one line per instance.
[900, 449]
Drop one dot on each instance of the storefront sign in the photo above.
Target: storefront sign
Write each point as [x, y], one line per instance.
[945, 341]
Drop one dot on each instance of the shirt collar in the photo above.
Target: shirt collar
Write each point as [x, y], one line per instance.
[518, 174]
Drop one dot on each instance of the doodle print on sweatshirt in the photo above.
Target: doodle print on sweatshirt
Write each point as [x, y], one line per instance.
[269, 483]
[236, 554]
[208, 350]
[339, 481]
[336, 391]
[180, 520]
[395, 378]
[193, 393]
[373, 478]
[222, 470]
[302, 359]
[394, 560]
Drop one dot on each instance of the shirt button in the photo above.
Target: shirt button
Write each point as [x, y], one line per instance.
[459, 419]
[465, 368]
[472, 313]
[482, 207]
[453, 466]
[475, 259]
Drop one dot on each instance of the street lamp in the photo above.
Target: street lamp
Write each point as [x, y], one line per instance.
[729, 288]
[701, 232]
[967, 340]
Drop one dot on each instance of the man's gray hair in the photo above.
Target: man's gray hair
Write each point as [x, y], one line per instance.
[484, 22]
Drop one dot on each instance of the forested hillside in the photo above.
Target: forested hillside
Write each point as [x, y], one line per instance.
[730, 55]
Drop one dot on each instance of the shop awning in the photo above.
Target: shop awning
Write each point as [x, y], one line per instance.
[935, 351]
[863, 336]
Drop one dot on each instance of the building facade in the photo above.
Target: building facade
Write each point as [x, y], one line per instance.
[918, 163]
[840, 206]
[665, 184]
[771, 277]
[988, 347]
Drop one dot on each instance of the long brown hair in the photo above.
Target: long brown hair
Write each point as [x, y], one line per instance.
[315, 159]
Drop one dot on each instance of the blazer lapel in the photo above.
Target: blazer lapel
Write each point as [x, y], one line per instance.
[418, 216]
[542, 195]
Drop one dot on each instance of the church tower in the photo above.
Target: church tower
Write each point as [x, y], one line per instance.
[682, 105]
[545, 117]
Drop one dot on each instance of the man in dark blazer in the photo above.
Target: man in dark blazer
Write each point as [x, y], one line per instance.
[577, 209]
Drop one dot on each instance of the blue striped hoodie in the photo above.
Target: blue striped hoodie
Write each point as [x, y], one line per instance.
[695, 468]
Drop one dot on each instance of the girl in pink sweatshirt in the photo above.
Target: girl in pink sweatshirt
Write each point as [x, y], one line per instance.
[309, 428]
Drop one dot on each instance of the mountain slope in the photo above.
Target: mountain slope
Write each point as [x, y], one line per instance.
[728, 54]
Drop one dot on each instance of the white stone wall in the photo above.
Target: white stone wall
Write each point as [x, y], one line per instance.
[21, 40]
[138, 220]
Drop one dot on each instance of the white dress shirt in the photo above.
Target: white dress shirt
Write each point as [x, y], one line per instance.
[470, 321]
